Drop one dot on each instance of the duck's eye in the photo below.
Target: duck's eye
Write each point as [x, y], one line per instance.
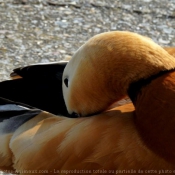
[66, 82]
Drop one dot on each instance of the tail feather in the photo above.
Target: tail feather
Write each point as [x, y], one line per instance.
[12, 116]
[40, 86]
[49, 71]
[45, 95]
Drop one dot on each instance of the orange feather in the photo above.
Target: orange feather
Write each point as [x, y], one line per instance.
[110, 142]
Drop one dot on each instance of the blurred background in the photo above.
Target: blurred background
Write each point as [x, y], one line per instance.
[33, 31]
[39, 31]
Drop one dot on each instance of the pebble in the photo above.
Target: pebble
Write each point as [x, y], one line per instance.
[54, 29]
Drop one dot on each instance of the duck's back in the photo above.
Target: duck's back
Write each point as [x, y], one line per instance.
[155, 109]
[108, 142]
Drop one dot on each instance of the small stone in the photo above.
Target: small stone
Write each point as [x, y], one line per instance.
[165, 42]
[36, 31]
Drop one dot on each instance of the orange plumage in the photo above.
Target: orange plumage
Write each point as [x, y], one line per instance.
[107, 141]
[111, 142]
[156, 123]
[117, 60]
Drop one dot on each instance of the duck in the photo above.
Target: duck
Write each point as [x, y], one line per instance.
[112, 65]
[95, 54]
[39, 85]
[101, 144]
[36, 141]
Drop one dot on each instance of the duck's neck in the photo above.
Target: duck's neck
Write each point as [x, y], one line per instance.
[136, 87]
[155, 113]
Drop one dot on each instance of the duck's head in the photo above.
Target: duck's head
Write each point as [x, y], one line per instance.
[102, 70]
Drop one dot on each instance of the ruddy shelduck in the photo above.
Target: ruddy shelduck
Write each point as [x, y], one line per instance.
[34, 141]
[115, 64]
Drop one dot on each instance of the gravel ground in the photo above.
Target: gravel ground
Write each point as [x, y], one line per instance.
[33, 31]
